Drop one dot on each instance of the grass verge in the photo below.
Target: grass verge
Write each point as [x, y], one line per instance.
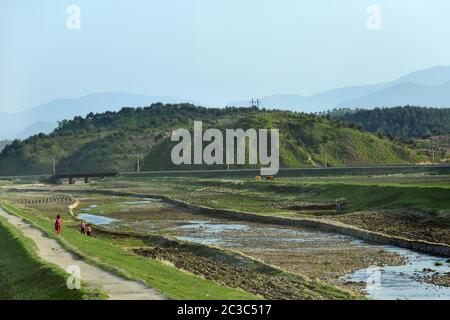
[168, 280]
[24, 276]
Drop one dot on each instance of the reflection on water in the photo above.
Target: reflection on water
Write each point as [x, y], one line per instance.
[209, 227]
[401, 282]
[95, 219]
[250, 235]
[92, 206]
[140, 202]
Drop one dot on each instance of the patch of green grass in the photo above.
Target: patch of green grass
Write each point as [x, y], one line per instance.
[427, 194]
[172, 282]
[24, 276]
[253, 196]
[388, 196]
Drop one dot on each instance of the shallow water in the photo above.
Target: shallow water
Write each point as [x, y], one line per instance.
[241, 234]
[92, 206]
[400, 282]
[140, 202]
[395, 282]
[96, 219]
[209, 227]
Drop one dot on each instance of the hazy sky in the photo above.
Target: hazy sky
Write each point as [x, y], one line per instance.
[213, 51]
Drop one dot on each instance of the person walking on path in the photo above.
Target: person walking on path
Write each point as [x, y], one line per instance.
[58, 225]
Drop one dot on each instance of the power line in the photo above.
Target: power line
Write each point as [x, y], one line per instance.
[255, 103]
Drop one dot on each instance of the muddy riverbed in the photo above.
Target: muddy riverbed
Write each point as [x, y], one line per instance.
[382, 272]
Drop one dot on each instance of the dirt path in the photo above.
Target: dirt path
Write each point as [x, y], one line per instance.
[116, 287]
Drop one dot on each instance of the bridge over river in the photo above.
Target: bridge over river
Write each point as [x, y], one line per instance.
[86, 176]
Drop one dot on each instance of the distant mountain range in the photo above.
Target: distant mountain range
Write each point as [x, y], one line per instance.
[3, 144]
[429, 87]
[44, 118]
[402, 94]
[38, 127]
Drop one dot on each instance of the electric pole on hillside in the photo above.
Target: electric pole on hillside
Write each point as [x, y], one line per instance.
[432, 151]
[138, 164]
[54, 164]
[255, 103]
[137, 154]
[325, 141]
[53, 159]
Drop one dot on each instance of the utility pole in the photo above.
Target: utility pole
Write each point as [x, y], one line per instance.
[138, 162]
[54, 164]
[432, 148]
[137, 154]
[325, 151]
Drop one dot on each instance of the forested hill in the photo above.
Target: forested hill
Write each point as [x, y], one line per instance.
[111, 141]
[402, 122]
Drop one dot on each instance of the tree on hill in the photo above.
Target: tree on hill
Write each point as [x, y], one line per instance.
[401, 122]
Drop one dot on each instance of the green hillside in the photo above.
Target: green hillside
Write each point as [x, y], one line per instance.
[112, 140]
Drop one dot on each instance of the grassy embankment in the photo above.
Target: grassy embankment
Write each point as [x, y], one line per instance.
[24, 276]
[414, 207]
[170, 281]
[429, 195]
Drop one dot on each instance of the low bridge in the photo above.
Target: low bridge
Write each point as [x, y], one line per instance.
[86, 176]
